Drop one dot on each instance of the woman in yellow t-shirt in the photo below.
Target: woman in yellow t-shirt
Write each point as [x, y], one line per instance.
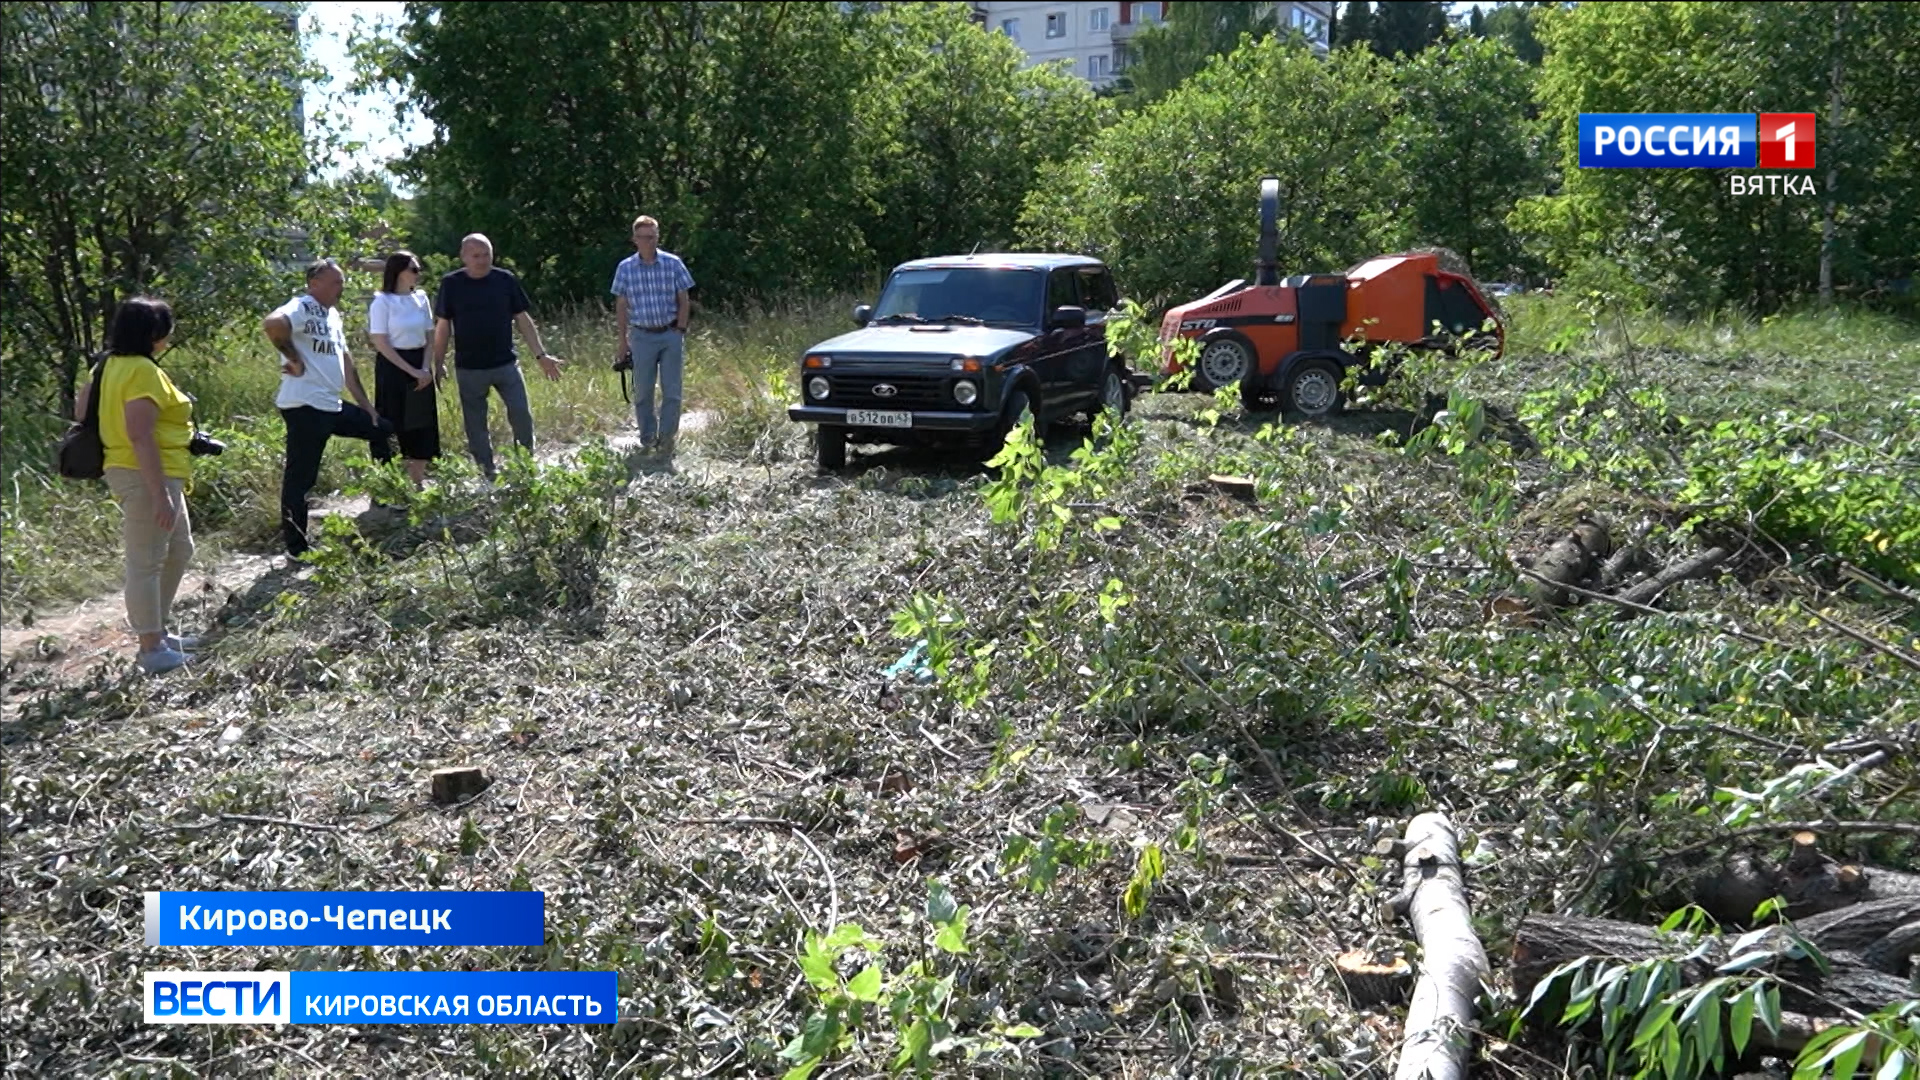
[145, 425]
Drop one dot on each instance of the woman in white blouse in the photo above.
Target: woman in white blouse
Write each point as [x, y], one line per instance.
[399, 322]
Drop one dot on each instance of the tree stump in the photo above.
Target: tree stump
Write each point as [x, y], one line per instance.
[1239, 487]
[456, 784]
[1374, 978]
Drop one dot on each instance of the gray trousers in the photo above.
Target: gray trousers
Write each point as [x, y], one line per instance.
[662, 354]
[475, 383]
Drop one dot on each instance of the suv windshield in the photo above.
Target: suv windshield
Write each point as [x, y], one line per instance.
[965, 294]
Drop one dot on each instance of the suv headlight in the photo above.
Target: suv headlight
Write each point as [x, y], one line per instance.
[966, 392]
[817, 388]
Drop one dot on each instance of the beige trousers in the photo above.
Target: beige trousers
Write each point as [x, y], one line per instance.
[156, 560]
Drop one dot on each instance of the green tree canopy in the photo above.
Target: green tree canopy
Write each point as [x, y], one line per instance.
[1514, 23]
[1164, 56]
[1468, 150]
[144, 148]
[1680, 236]
[1404, 27]
[1168, 195]
[785, 148]
[952, 131]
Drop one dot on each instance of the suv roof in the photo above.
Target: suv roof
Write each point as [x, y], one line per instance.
[1013, 260]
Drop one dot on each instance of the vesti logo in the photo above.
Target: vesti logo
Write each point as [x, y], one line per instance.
[218, 997]
[1705, 141]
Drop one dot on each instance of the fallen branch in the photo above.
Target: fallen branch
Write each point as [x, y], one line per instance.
[1645, 592]
[1453, 963]
[1266, 763]
[379, 825]
[766, 822]
[833, 887]
[1895, 591]
[940, 746]
[1873, 760]
[288, 823]
[1870, 642]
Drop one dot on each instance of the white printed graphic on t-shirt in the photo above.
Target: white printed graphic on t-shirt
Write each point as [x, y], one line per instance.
[319, 336]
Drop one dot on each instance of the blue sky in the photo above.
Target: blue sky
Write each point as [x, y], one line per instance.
[370, 118]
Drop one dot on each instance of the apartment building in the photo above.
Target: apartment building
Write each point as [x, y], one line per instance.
[1090, 37]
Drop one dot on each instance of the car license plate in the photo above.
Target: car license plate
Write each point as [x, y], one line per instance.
[872, 418]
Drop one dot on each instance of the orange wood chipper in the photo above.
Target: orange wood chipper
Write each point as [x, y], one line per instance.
[1289, 342]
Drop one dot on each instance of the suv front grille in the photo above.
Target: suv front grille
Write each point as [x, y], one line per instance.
[910, 392]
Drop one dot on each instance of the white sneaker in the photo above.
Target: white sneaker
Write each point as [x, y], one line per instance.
[161, 660]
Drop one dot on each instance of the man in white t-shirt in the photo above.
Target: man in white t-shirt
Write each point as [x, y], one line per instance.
[312, 340]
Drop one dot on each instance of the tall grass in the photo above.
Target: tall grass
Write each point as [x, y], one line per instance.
[59, 539]
[1842, 360]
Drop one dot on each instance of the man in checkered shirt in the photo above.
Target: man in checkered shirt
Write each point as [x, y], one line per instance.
[651, 286]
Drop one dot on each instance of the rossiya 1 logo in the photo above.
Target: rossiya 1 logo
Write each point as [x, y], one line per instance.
[1705, 141]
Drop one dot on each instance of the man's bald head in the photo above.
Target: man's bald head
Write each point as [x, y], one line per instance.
[476, 254]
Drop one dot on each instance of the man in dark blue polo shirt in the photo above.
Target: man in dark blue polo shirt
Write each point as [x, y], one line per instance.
[479, 306]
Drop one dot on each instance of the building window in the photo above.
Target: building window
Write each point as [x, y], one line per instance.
[1148, 13]
[1119, 58]
[1097, 19]
[1011, 28]
[1057, 24]
[1096, 67]
[1310, 26]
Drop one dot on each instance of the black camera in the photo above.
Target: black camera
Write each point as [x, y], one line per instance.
[205, 445]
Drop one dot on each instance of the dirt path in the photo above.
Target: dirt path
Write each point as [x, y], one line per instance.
[68, 641]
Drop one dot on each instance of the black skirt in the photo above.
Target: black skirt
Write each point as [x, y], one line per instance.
[414, 414]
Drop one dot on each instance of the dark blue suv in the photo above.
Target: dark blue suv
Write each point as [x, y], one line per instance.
[959, 348]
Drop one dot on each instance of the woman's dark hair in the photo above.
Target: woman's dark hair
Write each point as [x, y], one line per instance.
[397, 262]
[140, 323]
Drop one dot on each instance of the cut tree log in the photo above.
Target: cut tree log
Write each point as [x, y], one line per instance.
[1878, 931]
[1570, 560]
[1615, 569]
[1453, 964]
[1544, 942]
[1374, 978]
[1810, 884]
[1645, 592]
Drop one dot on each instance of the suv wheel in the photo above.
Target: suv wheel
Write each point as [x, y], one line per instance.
[1113, 391]
[1018, 405]
[1313, 388]
[1222, 362]
[830, 446]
